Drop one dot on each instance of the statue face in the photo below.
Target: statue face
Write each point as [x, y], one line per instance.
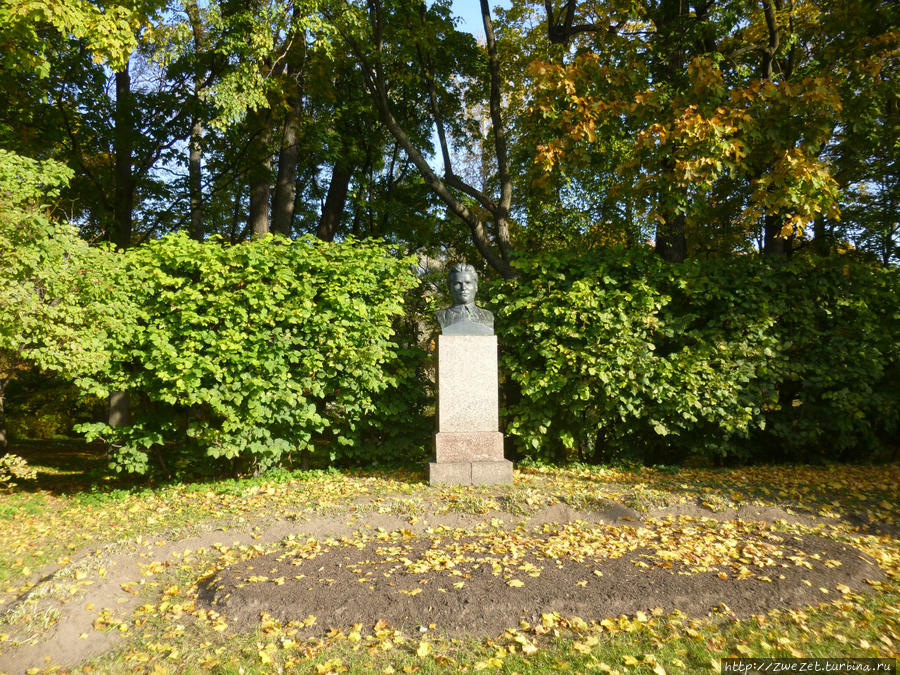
[463, 286]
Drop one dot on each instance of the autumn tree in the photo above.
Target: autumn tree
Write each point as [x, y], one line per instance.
[730, 109]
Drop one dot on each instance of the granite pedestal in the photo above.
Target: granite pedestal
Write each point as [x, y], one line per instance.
[468, 445]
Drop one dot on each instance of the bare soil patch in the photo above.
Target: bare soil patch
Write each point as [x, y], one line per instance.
[468, 589]
[468, 575]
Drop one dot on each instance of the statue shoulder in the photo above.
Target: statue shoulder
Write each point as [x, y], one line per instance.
[442, 316]
[485, 315]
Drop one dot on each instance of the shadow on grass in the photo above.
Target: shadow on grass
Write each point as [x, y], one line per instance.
[72, 467]
[63, 465]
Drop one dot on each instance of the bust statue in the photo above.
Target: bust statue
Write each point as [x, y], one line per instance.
[464, 317]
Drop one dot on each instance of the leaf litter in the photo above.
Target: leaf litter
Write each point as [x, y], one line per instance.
[380, 561]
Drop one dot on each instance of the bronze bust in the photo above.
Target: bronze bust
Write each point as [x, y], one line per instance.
[464, 317]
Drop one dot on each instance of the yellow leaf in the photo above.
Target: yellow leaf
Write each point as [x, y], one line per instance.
[630, 660]
[515, 583]
[424, 648]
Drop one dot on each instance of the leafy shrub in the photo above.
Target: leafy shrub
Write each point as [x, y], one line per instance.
[60, 298]
[245, 355]
[58, 295]
[617, 354]
[14, 467]
[839, 384]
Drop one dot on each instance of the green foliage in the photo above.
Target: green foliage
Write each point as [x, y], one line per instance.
[616, 353]
[58, 296]
[242, 355]
[107, 31]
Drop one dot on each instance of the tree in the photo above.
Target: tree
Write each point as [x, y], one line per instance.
[404, 74]
[731, 108]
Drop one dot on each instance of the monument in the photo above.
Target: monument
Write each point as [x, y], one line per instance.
[468, 443]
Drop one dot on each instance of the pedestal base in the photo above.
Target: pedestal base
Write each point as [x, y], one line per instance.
[472, 446]
[495, 472]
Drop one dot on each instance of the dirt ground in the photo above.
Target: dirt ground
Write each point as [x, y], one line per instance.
[468, 575]
[347, 585]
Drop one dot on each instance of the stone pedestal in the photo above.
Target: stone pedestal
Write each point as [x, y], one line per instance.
[468, 446]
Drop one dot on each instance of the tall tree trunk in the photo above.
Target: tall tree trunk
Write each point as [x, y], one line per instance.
[822, 244]
[335, 200]
[773, 243]
[195, 151]
[284, 200]
[195, 179]
[670, 67]
[501, 214]
[124, 135]
[3, 439]
[497, 249]
[259, 173]
[124, 203]
[285, 185]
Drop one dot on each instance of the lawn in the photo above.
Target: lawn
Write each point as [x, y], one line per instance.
[604, 569]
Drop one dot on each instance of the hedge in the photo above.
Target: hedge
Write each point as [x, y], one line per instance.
[617, 354]
[241, 356]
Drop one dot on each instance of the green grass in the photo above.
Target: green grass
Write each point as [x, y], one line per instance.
[48, 521]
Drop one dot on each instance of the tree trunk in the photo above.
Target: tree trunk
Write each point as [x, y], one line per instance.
[671, 244]
[774, 244]
[124, 188]
[195, 151]
[822, 240]
[119, 409]
[284, 200]
[377, 85]
[195, 179]
[285, 184]
[124, 193]
[3, 439]
[334, 201]
[259, 174]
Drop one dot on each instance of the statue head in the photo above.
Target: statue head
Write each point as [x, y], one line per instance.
[463, 283]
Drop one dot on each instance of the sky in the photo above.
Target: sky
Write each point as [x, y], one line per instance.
[470, 12]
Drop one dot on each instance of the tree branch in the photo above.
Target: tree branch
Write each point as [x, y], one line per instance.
[562, 32]
[774, 40]
[501, 215]
[373, 77]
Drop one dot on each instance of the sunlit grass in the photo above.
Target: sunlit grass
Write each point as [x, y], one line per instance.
[44, 526]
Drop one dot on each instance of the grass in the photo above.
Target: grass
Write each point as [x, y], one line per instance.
[47, 523]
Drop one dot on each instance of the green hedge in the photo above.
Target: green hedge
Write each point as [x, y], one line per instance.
[614, 354]
[241, 356]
